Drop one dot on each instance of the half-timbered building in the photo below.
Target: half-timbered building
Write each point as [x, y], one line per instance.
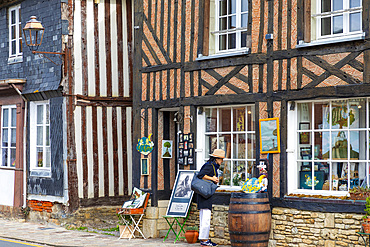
[214, 68]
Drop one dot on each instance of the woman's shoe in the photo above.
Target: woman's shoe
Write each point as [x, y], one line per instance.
[207, 243]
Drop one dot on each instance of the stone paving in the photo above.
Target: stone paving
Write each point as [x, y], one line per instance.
[52, 235]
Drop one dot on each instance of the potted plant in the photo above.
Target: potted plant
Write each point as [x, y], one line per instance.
[122, 227]
[191, 234]
[366, 218]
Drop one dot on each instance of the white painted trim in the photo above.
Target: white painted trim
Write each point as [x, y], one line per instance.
[200, 144]
[120, 150]
[126, 72]
[102, 54]
[99, 116]
[77, 40]
[292, 138]
[90, 25]
[18, 37]
[129, 147]
[114, 48]
[78, 140]
[90, 152]
[47, 198]
[110, 151]
[7, 180]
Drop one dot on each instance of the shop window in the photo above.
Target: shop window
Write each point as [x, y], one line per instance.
[331, 143]
[40, 135]
[8, 135]
[233, 130]
[15, 31]
[331, 20]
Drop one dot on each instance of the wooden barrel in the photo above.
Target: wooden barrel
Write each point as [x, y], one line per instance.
[249, 219]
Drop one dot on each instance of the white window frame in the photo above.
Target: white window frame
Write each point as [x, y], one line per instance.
[33, 136]
[17, 25]
[201, 152]
[293, 148]
[346, 11]
[238, 30]
[8, 128]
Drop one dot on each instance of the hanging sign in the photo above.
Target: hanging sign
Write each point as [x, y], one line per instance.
[145, 145]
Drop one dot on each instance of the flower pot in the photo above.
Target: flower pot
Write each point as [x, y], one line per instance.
[191, 236]
[366, 227]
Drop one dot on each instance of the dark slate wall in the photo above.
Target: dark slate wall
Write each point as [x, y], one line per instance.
[52, 186]
[41, 74]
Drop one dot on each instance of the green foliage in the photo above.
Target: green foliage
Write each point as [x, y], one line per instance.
[191, 228]
[367, 207]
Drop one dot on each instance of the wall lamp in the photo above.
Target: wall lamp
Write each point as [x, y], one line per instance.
[34, 32]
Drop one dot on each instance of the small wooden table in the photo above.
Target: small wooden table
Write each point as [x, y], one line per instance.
[365, 237]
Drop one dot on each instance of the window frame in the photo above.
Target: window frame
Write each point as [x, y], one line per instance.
[9, 148]
[17, 25]
[34, 136]
[293, 148]
[202, 157]
[238, 30]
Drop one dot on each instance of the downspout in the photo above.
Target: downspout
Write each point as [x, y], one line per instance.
[24, 147]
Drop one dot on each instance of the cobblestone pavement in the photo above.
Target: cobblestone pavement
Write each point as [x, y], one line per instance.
[51, 235]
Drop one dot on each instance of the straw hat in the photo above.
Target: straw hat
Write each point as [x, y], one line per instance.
[218, 153]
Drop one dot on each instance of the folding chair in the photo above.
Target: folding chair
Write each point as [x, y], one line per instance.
[132, 225]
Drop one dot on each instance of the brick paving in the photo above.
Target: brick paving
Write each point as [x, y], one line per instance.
[52, 235]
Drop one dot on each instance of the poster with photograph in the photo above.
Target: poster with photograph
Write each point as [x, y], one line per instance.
[269, 135]
[181, 194]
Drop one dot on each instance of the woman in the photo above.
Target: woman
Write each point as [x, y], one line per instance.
[208, 172]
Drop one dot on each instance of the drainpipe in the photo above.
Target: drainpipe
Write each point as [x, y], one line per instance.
[24, 146]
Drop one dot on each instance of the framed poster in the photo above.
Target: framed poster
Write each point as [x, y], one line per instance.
[166, 149]
[269, 135]
[144, 166]
[181, 194]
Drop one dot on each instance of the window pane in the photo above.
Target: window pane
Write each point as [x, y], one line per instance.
[339, 114]
[12, 157]
[224, 143]
[338, 24]
[5, 137]
[223, 7]
[357, 174]
[232, 41]
[40, 114]
[40, 136]
[238, 173]
[250, 116]
[357, 114]
[355, 22]
[5, 157]
[325, 6]
[239, 119]
[225, 119]
[13, 137]
[239, 146]
[14, 117]
[5, 117]
[354, 3]
[225, 173]
[14, 32]
[337, 5]
[39, 157]
[20, 45]
[244, 5]
[339, 145]
[211, 144]
[223, 23]
[251, 146]
[47, 120]
[47, 157]
[304, 113]
[211, 119]
[321, 115]
[358, 143]
[47, 138]
[222, 41]
[325, 26]
[14, 47]
[232, 22]
[244, 39]
[321, 147]
[244, 20]
[232, 6]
